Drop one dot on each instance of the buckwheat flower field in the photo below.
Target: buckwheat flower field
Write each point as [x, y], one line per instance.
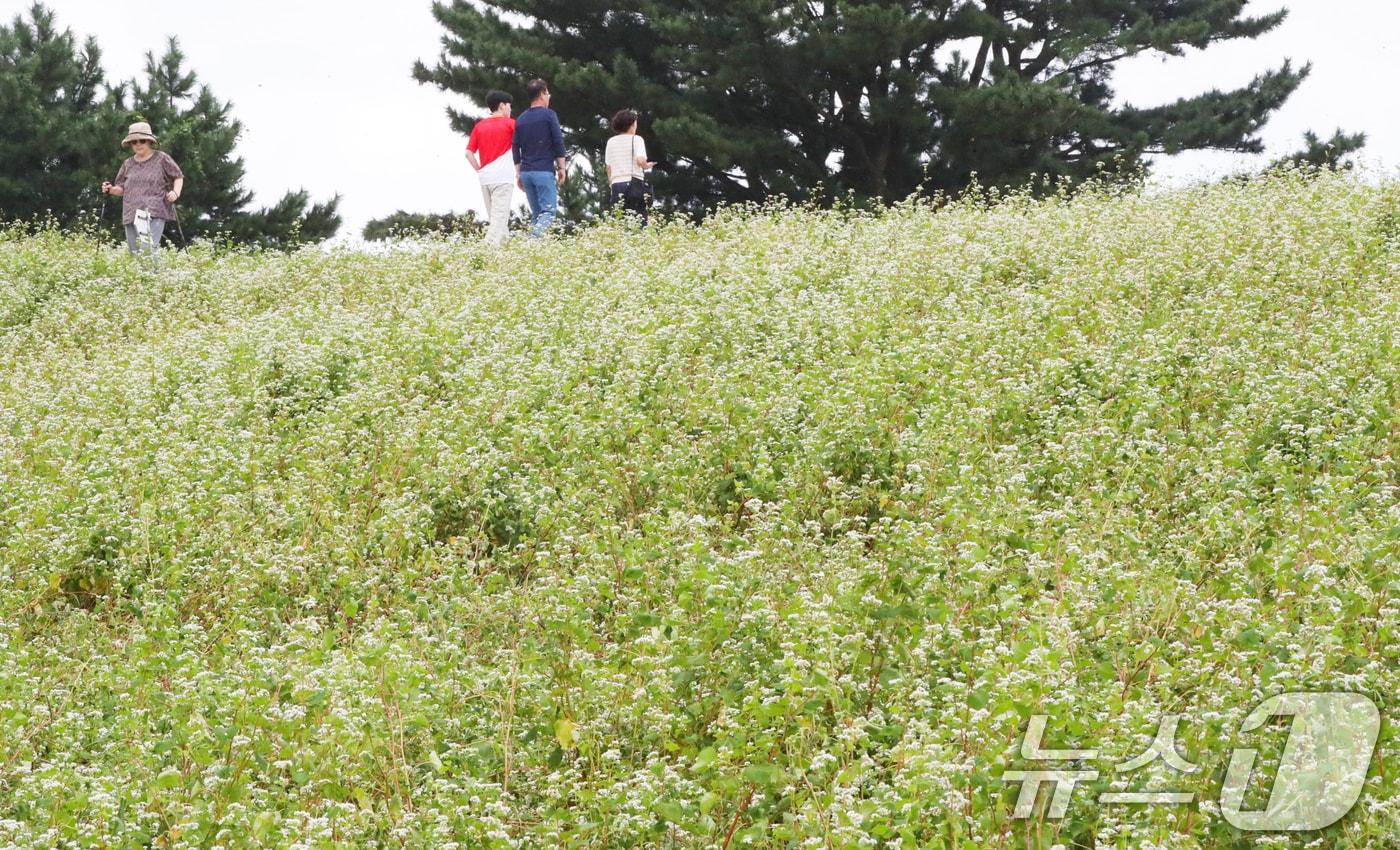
[772, 532]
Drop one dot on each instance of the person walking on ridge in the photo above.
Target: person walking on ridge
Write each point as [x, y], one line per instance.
[488, 153]
[149, 183]
[539, 157]
[627, 165]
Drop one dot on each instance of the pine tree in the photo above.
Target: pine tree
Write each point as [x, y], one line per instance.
[1331, 154]
[200, 132]
[745, 99]
[55, 137]
[424, 224]
[581, 196]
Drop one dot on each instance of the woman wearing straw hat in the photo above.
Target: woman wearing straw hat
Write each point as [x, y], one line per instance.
[149, 183]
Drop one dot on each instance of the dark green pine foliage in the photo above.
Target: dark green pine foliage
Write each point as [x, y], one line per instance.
[1333, 153]
[200, 132]
[745, 99]
[581, 196]
[58, 118]
[1036, 96]
[423, 224]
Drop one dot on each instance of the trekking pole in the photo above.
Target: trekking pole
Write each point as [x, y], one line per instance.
[184, 243]
[101, 227]
[102, 220]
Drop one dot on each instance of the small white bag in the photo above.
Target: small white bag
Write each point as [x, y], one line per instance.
[143, 225]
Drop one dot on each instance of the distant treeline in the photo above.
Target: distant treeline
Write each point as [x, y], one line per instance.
[832, 102]
[865, 102]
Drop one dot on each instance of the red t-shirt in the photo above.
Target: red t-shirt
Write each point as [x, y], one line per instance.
[491, 138]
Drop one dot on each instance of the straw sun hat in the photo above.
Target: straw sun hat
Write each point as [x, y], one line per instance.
[139, 130]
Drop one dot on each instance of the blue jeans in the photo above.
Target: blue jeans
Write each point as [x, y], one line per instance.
[542, 192]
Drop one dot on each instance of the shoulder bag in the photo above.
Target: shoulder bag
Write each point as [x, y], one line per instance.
[638, 189]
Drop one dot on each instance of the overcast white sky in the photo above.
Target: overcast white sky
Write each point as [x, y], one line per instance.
[324, 91]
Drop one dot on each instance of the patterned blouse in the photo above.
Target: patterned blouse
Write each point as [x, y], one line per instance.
[144, 185]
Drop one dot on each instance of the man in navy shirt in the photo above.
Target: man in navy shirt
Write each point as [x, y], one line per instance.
[539, 156]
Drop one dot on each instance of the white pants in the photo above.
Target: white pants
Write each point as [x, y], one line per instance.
[498, 197]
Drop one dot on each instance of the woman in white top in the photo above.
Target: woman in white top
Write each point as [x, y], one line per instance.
[626, 158]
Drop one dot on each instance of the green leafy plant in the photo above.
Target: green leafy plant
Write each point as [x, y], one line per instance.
[772, 531]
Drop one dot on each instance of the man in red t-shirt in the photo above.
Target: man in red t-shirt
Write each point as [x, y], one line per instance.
[488, 153]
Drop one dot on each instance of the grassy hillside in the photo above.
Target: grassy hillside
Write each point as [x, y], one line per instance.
[771, 533]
